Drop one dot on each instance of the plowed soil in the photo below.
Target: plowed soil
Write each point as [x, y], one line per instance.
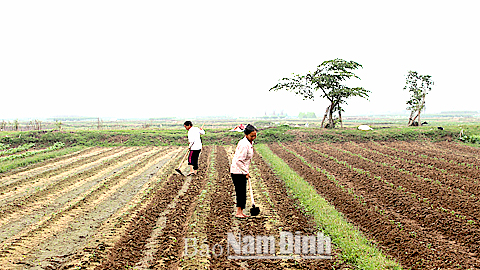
[126, 208]
[395, 212]
[118, 208]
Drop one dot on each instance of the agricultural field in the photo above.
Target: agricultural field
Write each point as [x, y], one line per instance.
[379, 204]
[417, 201]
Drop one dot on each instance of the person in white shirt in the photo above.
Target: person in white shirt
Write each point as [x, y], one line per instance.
[195, 145]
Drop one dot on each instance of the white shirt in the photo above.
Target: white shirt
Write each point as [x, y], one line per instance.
[194, 138]
[242, 158]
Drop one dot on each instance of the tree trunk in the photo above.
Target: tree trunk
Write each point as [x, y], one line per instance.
[325, 116]
[410, 120]
[420, 110]
[415, 118]
[340, 117]
[330, 117]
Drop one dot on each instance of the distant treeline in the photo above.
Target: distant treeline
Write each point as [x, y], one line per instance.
[446, 114]
[67, 118]
[460, 112]
[307, 115]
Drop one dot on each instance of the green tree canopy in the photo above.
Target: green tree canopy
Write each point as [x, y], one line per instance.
[329, 81]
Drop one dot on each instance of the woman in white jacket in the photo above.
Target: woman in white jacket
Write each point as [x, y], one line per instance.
[239, 168]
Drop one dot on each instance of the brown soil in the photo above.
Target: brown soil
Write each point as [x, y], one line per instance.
[49, 168]
[439, 196]
[220, 215]
[49, 164]
[432, 152]
[112, 208]
[424, 248]
[173, 208]
[21, 194]
[293, 218]
[459, 176]
[462, 183]
[73, 214]
[473, 151]
[129, 249]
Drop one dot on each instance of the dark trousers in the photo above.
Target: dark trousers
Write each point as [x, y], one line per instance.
[240, 183]
[193, 158]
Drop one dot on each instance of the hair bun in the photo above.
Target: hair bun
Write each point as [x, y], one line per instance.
[249, 129]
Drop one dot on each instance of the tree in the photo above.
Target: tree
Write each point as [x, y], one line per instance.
[327, 79]
[58, 124]
[99, 123]
[37, 124]
[418, 86]
[16, 125]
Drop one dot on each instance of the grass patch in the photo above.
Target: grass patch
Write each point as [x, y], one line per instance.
[356, 249]
[380, 134]
[142, 137]
[222, 136]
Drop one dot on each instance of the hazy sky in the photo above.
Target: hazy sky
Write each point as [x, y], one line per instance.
[201, 58]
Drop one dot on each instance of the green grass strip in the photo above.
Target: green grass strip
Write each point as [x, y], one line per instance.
[17, 149]
[12, 164]
[356, 249]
